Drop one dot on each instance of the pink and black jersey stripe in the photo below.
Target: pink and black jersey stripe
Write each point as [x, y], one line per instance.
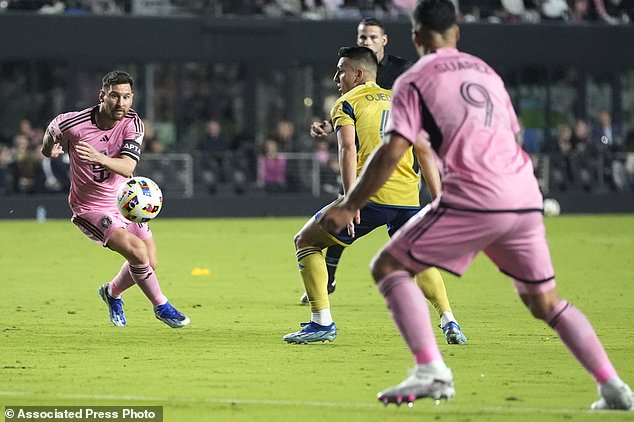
[132, 147]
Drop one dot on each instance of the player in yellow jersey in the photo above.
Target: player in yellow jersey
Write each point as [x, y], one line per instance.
[359, 118]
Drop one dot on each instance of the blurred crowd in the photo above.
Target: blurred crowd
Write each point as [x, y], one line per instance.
[586, 156]
[531, 11]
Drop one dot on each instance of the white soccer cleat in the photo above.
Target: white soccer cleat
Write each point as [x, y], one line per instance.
[614, 397]
[421, 383]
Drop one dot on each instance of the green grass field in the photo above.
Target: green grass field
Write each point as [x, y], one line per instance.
[58, 348]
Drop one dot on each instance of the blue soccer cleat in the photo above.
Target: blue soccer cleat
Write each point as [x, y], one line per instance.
[453, 333]
[171, 316]
[115, 307]
[312, 332]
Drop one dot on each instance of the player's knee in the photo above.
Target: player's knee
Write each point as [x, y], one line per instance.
[380, 266]
[137, 251]
[540, 305]
[303, 240]
[297, 240]
[537, 311]
[383, 265]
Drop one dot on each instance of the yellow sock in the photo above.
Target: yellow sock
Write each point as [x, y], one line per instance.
[431, 283]
[312, 268]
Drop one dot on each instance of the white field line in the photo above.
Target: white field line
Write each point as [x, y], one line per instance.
[299, 403]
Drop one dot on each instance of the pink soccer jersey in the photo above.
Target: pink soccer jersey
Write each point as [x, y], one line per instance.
[461, 106]
[92, 186]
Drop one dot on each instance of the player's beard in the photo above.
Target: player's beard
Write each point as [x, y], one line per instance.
[115, 116]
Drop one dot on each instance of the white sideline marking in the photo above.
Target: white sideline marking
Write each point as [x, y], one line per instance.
[377, 405]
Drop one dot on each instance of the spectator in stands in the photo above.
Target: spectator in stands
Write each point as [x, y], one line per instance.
[214, 156]
[553, 10]
[606, 136]
[151, 143]
[592, 10]
[27, 166]
[584, 158]
[271, 168]
[328, 168]
[605, 133]
[285, 136]
[26, 129]
[629, 159]
[562, 159]
[297, 170]
[6, 174]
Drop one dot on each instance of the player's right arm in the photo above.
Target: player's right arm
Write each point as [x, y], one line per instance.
[128, 156]
[51, 146]
[320, 130]
[123, 165]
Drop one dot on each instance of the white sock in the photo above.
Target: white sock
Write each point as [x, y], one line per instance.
[614, 382]
[322, 317]
[433, 366]
[446, 318]
[110, 293]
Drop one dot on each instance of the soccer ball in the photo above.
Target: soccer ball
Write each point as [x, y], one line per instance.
[551, 207]
[139, 199]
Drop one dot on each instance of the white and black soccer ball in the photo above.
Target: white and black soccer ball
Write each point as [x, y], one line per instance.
[139, 199]
[551, 207]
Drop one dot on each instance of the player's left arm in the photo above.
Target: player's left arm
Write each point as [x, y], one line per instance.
[346, 136]
[123, 165]
[377, 170]
[347, 156]
[375, 173]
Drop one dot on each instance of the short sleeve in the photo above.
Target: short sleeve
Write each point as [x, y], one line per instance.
[342, 114]
[405, 118]
[53, 127]
[133, 138]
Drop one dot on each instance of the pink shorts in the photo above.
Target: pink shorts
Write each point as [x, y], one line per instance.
[100, 225]
[450, 239]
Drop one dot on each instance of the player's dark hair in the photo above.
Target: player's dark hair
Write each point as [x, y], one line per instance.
[362, 55]
[372, 22]
[117, 77]
[435, 15]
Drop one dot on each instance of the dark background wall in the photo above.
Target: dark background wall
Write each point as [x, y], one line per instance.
[266, 41]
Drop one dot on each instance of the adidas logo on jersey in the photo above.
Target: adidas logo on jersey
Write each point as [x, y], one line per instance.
[104, 139]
